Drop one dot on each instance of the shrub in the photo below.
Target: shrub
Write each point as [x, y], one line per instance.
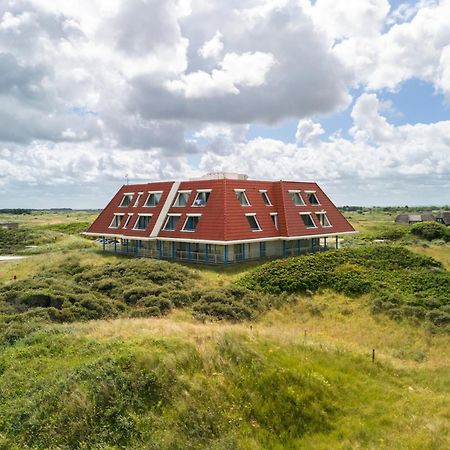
[431, 230]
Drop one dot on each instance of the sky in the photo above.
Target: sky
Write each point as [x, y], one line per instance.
[352, 94]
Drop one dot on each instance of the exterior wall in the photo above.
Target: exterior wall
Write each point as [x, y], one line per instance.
[215, 254]
[222, 222]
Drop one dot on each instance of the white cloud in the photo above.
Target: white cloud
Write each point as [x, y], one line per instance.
[213, 47]
[92, 89]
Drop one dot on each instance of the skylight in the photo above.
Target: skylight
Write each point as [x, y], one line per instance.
[191, 223]
[266, 198]
[297, 198]
[242, 197]
[323, 219]
[153, 199]
[171, 223]
[126, 200]
[308, 220]
[253, 222]
[128, 220]
[115, 223]
[142, 222]
[182, 199]
[312, 198]
[274, 218]
[201, 198]
[138, 198]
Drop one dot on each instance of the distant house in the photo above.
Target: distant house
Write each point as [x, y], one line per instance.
[9, 225]
[220, 218]
[443, 217]
[409, 219]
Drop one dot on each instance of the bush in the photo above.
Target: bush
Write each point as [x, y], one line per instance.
[431, 230]
[402, 283]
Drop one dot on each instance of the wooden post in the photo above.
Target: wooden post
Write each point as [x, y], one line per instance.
[373, 355]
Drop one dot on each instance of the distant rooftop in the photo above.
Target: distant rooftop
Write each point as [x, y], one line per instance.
[221, 176]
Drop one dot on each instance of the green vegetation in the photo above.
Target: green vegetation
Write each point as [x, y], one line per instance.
[63, 387]
[245, 357]
[431, 231]
[402, 283]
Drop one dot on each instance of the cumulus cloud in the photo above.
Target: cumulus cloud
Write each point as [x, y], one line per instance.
[396, 161]
[213, 47]
[93, 89]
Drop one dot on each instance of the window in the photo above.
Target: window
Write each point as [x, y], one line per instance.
[137, 199]
[201, 198]
[171, 223]
[274, 218]
[142, 222]
[182, 198]
[153, 198]
[253, 222]
[297, 198]
[116, 221]
[312, 198]
[242, 197]
[191, 223]
[323, 219]
[308, 220]
[266, 198]
[128, 220]
[126, 200]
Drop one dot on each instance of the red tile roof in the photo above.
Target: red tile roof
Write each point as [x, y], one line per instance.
[223, 218]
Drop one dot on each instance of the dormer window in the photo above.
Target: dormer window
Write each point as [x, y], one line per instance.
[153, 199]
[138, 198]
[297, 198]
[323, 219]
[201, 198]
[126, 200]
[127, 221]
[191, 223]
[274, 217]
[115, 223]
[312, 197]
[253, 222]
[308, 220]
[142, 222]
[171, 222]
[182, 198]
[242, 197]
[266, 198]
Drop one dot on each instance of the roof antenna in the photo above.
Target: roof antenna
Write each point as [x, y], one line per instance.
[126, 178]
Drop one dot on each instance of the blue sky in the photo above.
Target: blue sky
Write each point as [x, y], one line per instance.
[354, 95]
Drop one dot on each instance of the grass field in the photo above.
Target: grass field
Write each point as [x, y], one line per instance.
[299, 376]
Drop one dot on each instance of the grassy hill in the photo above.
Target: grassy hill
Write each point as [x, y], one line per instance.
[187, 357]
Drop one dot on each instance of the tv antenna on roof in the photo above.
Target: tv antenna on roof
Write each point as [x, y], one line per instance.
[126, 179]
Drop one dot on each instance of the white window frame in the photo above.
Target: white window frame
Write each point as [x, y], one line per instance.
[185, 222]
[310, 216]
[264, 193]
[178, 196]
[324, 214]
[130, 215]
[137, 221]
[138, 198]
[126, 194]
[114, 218]
[317, 198]
[275, 222]
[148, 197]
[200, 191]
[299, 192]
[167, 220]
[256, 220]
[236, 191]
